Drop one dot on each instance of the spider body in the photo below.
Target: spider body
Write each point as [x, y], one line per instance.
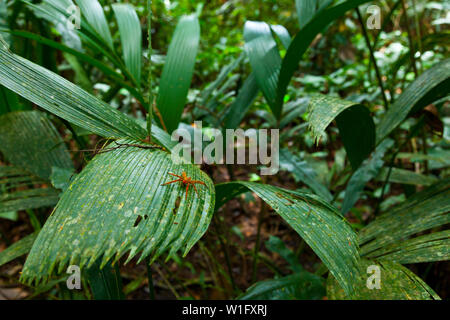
[184, 179]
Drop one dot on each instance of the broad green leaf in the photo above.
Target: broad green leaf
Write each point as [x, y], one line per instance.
[57, 12]
[4, 21]
[298, 286]
[366, 172]
[426, 248]
[283, 34]
[397, 283]
[178, 70]
[303, 172]
[427, 88]
[63, 98]
[30, 141]
[355, 124]
[236, 112]
[302, 41]
[265, 60]
[93, 12]
[17, 249]
[403, 176]
[277, 245]
[105, 283]
[131, 37]
[307, 9]
[425, 210]
[318, 223]
[131, 213]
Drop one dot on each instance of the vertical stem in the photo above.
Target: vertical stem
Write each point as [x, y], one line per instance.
[418, 33]
[151, 287]
[372, 57]
[412, 51]
[150, 95]
[258, 239]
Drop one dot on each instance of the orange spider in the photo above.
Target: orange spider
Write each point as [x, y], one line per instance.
[184, 179]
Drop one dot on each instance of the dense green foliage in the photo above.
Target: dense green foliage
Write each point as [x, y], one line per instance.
[86, 115]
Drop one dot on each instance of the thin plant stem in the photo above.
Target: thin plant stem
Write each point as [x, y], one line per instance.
[372, 57]
[412, 51]
[150, 94]
[262, 214]
[151, 286]
[418, 33]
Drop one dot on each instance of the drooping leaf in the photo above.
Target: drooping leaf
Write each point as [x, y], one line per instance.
[93, 12]
[132, 213]
[30, 141]
[303, 172]
[64, 99]
[366, 172]
[318, 223]
[427, 248]
[427, 209]
[265, 60]
[56, 12]
[397, 283]
[283, 34]
[17, 249]
[131, 37]
[356, 126]
[303, 39]
[298, 286]
[427, 88]
[403, 176]
[178, 70]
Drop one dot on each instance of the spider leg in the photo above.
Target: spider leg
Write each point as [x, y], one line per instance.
[199, 182]
[175, 175]
[187, 189]
[164, 184]
[195, 189]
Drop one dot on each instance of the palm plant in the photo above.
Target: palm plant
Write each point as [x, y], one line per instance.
[116, 204]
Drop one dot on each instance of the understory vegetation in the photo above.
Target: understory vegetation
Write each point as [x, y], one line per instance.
[91, 92]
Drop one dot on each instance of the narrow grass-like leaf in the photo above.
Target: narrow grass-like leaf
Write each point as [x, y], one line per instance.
[298, 286]
[366, 172]
[397, 283]
[28, 199]
[428, 87]
[93, 12]
[63, 98]
[318, 223]
[265, 60]
[303, 172]
[178, 70]
[17, 249]
[131, 213]
[131, 38]
[355, 124]
[29, 140]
